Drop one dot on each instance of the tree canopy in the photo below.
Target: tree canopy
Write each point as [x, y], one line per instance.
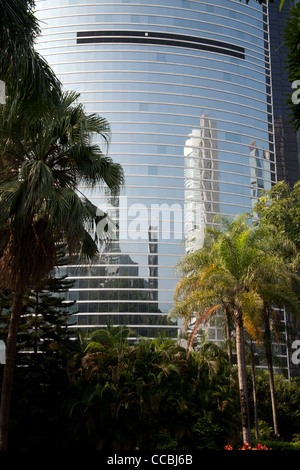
[242, 270]
[281, 207]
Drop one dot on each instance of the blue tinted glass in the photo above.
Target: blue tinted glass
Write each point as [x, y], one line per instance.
[183, 86]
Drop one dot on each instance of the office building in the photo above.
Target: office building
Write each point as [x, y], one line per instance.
[186, 88]
[286, 140]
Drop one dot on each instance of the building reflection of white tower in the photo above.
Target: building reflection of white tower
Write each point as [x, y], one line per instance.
[200, 182]
[260, 176]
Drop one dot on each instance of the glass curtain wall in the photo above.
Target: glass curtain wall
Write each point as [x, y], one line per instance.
[185, 86]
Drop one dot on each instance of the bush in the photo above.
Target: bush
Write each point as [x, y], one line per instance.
[206, 434]
[265, 431]
[166, 442]
[296, 445]
[287, 395]
[277, 445]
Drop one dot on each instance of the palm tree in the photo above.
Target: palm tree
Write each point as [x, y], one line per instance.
[228, 279]
[23, 70]
[189, 267]
[278, 287]
[44, 161]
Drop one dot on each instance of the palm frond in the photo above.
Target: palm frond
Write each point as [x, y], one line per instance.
[200, 320]
[21, 67]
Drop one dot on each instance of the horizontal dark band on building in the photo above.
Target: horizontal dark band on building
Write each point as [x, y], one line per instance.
[163, 39]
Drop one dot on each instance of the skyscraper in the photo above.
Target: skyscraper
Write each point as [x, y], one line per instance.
[186, 88]
[286, 140]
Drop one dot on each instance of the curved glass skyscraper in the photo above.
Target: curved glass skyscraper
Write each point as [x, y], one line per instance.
[186, 88]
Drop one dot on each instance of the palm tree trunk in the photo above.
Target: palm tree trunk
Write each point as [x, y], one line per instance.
[268, 349]
[254, 397]
[273, 401]
[11, 347]
[240, 350]
[228, 335]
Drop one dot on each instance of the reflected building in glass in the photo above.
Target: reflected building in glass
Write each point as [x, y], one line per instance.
[186, 88]
[260, 170]
[201, 182]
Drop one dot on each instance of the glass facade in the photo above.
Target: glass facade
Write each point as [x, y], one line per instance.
[186, 88]
[287, 142]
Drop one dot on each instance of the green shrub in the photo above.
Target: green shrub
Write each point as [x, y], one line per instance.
[206, 434]
[296, 441]
[264, 430]
[165, 441]
[276, 445]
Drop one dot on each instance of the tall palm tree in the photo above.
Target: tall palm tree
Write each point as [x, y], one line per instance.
[236, 260]
[189, 267]
[42, 162]
[279, 289]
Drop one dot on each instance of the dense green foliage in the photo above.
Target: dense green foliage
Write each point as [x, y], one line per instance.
[242, 270]
[149, 394]
[106, 392]
[281, 207]
[41, 380]
[288, 405]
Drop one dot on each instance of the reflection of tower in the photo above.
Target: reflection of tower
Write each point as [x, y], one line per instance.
[112, 211]
[118, 264]
[259, 171]
[153, 263]
[200, 181]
